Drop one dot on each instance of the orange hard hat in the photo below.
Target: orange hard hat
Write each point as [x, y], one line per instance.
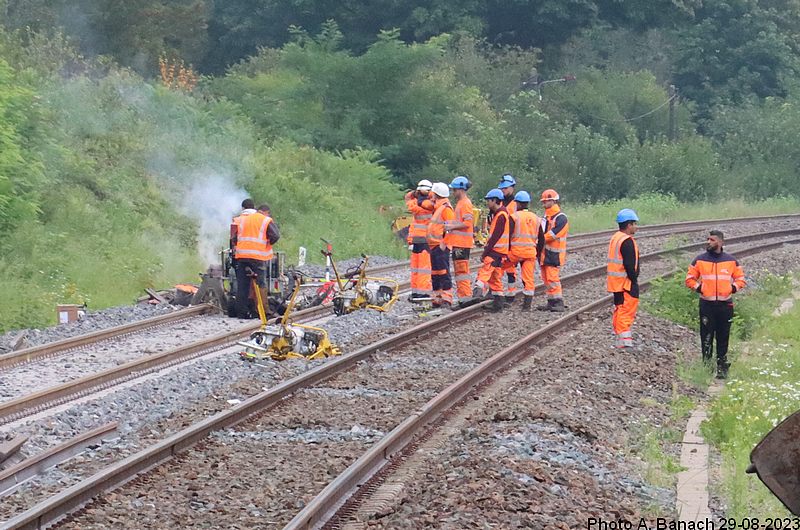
[549, 195]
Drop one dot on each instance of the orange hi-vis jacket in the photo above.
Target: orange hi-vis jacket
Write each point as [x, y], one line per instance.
[464, 237]
[422, 212]
[502, 244]
[555, 237]
[525, 235]
[511, 206]
[717, 275]
[436, 228]
[617, 277]
[251, 237]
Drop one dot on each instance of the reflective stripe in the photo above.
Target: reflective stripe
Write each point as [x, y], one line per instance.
[617, 274]
[423, 216]
[259, 253]
[555, 249]
[527, 293]
[515, 244]
[727, 277]
[615, 260]
[498, 293]
[626, 334]
[421, 271]
[462, 277]
[460, 233]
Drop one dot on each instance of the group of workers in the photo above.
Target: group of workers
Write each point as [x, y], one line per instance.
[518, 239]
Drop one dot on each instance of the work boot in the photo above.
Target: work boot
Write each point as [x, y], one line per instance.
[510, 299]
[722, 371]
[526, 302]
[497, 304]
[558, 306]
[545, 307]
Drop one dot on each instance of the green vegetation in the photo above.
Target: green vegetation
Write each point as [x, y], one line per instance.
[762, 390]
[119, 166]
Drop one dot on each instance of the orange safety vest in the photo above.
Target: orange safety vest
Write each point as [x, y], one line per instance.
[422, 217]
[617, 278]
[501, 247]
[525, 234]
[251, 237]
[436, 228]
[511, 207]
[555, 244]
[716, 275]
[464, 237]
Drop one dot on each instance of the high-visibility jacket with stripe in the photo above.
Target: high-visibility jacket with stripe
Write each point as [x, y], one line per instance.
[525, 235]
[511, 206]
[422, 212]
[436, 228]
[617, 277]
[251, 237]
[464, 237]
[556, 228]
[502, 243]
[718, 275]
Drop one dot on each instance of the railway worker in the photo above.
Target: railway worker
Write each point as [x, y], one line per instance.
[716, 275]
[255, 233]
[421, 207]
[623, 276]
[440, 241]
[495, 252]
[462, 236]
[556, 229]
[526, 244]
[508, 185]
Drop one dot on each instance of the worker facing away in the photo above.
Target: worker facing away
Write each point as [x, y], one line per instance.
[716, 275]
[623, 276]
[508, 185]
[420, 205]
[462, 236]
[526, 244]
[495, 252]
[440, 241]
[556, 229]
[252, 237]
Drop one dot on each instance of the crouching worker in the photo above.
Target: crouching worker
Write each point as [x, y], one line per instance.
[623, 276]
[495, 252]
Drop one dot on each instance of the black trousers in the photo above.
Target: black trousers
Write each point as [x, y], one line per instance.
[715, 324]
[243, 281]
[440, 262]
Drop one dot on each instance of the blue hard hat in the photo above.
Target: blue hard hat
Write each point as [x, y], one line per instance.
[460, 183]
[522, 196]
[626, 214]
[506, 181]
[494, 194]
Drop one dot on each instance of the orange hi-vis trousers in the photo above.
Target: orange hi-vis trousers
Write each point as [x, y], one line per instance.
[624, 315]
[527, 267]
[490, 276]
[461, 272]
[552, 282]
[421, 284]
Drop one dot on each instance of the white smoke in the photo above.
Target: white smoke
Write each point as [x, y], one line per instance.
[212, 201]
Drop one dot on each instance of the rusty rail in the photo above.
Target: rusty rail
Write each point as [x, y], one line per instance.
[55, 508]
[326, 506]
[16, 475]
[62, 346]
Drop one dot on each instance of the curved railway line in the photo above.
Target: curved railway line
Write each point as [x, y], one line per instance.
[386, 389]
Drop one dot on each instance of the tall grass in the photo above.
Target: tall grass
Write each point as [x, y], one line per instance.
[657, 208]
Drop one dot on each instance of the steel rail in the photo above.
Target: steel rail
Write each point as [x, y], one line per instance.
[26, 405]
[643, 229]
[62, 346]
[362, 474]
[53, 509]
[17, 474]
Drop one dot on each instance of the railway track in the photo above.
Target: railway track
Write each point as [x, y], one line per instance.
[437, 368]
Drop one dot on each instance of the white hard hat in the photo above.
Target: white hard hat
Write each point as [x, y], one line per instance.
[441, 189]
[424, 185]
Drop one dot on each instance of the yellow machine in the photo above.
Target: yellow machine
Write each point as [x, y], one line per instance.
[286, 340]
[358, 291]
[481, 233]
